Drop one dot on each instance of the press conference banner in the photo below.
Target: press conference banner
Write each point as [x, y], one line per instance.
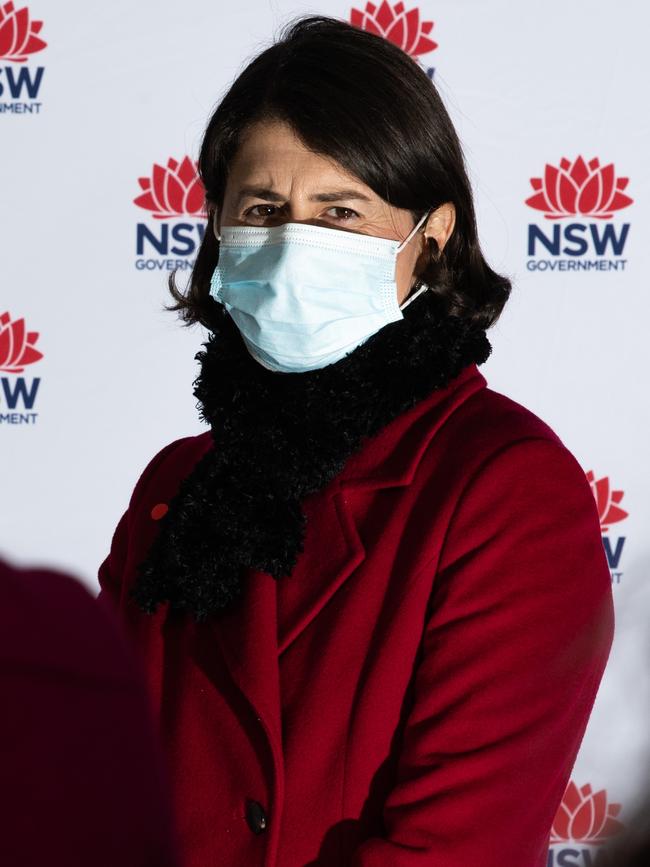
[102, 110]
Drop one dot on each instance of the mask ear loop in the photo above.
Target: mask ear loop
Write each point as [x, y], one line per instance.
[413, 231]
[423, 288]
[415, 228]
[214, 228]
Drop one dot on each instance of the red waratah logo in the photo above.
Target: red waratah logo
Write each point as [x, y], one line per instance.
[607, 501]
[394, 23]
[18, 37]
[174, 190]
[16, 345]
[579, 188]
[585, 817]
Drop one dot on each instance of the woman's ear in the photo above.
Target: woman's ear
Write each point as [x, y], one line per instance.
[441, 224]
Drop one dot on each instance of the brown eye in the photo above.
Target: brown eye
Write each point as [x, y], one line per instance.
[266, 207]
[347, 214]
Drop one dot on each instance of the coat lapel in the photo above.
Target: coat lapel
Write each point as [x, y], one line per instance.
[333, 548]
[332, 551]
[247, 635]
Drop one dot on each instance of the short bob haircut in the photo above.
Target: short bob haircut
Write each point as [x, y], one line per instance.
[358, 99]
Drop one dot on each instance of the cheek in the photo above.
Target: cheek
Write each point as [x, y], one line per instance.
[404, 273]
[405, 265]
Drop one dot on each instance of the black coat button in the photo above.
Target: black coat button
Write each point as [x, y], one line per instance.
[255, 816]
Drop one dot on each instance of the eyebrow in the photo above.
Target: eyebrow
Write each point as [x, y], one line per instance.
[330, 196]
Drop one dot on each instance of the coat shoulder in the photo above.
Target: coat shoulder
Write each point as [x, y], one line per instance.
[171, 463]
[489, 421]
[491, 427]
[503, 418]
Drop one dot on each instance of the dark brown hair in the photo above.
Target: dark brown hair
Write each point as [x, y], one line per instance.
[360, 100]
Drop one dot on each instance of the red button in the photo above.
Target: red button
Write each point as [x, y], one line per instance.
[159, 511]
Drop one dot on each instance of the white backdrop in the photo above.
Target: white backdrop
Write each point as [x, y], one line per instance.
[97, 94]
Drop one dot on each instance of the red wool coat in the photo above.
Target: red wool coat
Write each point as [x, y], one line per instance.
[416, 692]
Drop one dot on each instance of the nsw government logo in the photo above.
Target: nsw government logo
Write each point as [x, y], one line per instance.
[582, 199]
[19, 84]
[401, 27]
[174, 196]
[584, 822]
[17, 352]
[609, 512]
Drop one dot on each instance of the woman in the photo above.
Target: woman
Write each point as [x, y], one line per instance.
[372, 599]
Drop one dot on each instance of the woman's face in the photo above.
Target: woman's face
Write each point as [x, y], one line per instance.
[275, 179]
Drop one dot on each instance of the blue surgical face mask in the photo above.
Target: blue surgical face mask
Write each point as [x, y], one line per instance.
[304, 296]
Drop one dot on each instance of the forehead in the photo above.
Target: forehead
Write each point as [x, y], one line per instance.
[271, 152]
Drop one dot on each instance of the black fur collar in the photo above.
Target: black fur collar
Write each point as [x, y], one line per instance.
[280, 436]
